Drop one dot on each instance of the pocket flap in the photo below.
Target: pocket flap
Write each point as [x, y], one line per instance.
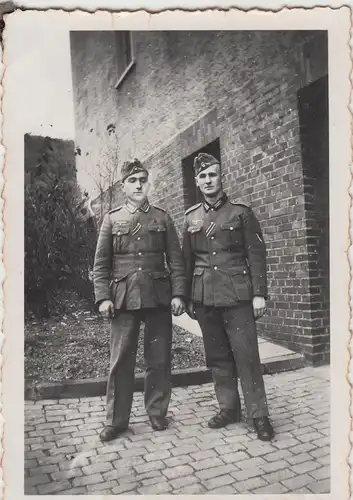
[198, 271]
[231, 225]
[194, 227]
[160, 274]
[118, 277]
[156, 226]
[120, 228]
[239, 270]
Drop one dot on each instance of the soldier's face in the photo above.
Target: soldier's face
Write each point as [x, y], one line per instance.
[210, 181]
[136, 187]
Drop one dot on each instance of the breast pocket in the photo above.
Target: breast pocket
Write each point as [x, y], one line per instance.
[231, 233]
[194, 229]
[156, 231]
[121, 237]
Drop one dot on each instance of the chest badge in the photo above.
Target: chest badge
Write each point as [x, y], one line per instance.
[210, 229]
[136, 229]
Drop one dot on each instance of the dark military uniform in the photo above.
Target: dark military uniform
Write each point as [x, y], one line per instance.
[224, 252]
[138, 265]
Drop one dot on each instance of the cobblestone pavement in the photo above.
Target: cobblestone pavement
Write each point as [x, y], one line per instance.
[64, 454]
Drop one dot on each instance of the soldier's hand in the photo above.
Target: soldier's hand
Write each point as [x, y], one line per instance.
[178, 306]
[106, 308]
[190, 310]
[259, 306]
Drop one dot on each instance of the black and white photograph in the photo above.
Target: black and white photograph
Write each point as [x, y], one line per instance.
[181, 254]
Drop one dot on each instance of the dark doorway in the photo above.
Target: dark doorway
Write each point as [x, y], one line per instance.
[192, 194]
[314, 135]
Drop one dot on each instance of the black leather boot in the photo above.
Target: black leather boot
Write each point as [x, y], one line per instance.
[264, 428]
[223, 418]
[159, 423]
[111, 432]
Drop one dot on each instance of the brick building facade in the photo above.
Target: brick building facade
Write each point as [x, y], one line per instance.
[258, 101]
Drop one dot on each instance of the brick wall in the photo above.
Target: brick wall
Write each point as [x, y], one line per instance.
[188, 89]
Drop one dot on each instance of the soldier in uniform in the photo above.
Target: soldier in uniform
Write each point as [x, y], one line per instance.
[138, 276]
[225, 258]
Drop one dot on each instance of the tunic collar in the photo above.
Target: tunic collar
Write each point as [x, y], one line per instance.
[219, 203]
[132, 208]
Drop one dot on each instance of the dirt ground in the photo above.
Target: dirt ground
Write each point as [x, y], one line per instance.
[75, 345]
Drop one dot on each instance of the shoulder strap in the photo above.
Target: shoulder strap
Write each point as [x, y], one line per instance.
[194, 207]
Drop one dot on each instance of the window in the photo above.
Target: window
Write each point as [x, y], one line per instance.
[125, 54]
[192, 194]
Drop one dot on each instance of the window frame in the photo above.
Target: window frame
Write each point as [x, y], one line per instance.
[130, 65]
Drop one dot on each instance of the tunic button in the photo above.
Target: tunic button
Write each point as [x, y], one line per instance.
[231, 228]
[138, 238]
[214, 253]
[116, 281]
[212, 237]
[140, 268]
[244, 272]
[118, 233]
[215, 267]
[140, 253]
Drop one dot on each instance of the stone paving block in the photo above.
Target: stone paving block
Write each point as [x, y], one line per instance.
[50, 488]
[207, 445]
[297, 482]
[119, 474]
[30, 490]
[102, 487]
[203, 454]
[86, 480]
[214, 472]
[223, 490]
[181, 482]
[80, 490]
[125, 488]
[274, 488]
[178, 460]
[302, 448]
[320, 487]
[128, 462]
[178, 471]
[287, 443]
[251, 463]
[43, 469]
[242, 475]
[155, 489]
[304, 467]
[157, 455]
[106, 457]
[312, 436]
[133, 452]
[274, 466]
[66, 474]
[37, 480]
[321, 473]
[298, 459]
[207, 463]
[156, 465]
[97, 467]
[273, 456]
[184, 450]
[249, 484]
[192, 489]
[218, 481]
[279, 475]
[325, 460]
[234, 458]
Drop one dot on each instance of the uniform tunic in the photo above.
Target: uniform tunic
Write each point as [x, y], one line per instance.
[139, 266]
[225, 259]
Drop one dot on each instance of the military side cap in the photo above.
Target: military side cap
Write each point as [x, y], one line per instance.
[132, 167]
[203, 161]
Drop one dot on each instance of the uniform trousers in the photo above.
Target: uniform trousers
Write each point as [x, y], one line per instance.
[157, 351]
[231, 347]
